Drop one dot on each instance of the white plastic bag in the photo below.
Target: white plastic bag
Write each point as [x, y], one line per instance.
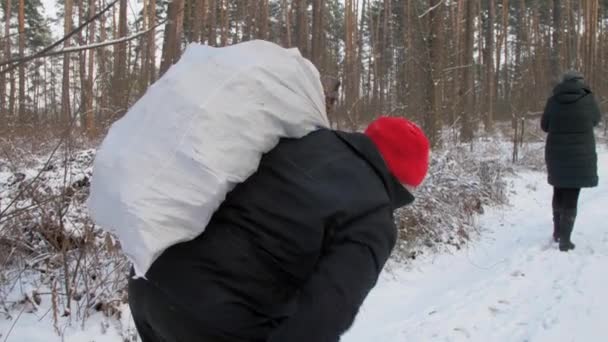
[167, 165]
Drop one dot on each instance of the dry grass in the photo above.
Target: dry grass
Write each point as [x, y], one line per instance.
[52, 254]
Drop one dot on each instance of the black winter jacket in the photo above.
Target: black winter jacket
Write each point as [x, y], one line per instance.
[292, 252]
[569, 117]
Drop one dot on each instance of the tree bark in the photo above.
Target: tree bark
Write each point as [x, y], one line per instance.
[263, 20]
[82, 63]
[197, 21]
[171, 43]
[65, 88]
[213, 22]
[225, 22]
[21, 20]
[468, 91]
[489, 64]
[104, 72]
[6, 49]
[151, 44]
[144, 76]
[432, 120]
[286, 17]
[120, 79]
[302, 27]
[89, 111]
[556, 41]
[317, 31]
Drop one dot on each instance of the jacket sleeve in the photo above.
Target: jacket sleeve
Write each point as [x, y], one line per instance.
[348, 270]
[544, 121]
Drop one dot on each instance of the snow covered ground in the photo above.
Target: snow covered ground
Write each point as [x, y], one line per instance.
[510, 285]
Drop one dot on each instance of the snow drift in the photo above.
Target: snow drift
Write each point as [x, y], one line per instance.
[202, 128]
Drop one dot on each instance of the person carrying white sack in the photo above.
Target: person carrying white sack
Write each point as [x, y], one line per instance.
[293, 250]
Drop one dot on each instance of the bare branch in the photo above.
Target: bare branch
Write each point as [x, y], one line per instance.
[430, 9]
[41, 53]
[85, 47]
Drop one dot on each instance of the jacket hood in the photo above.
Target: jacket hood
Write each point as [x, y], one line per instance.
[365, 148]
[570, 91]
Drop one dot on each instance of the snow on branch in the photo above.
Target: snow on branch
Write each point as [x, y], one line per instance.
[82, 47]
[99, 45]
[42, 53]
[431, 9]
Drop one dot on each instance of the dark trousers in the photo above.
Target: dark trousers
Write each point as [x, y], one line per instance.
[565, 199]
[158, 319]
[565, 203]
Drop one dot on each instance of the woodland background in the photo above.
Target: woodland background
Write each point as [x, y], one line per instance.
[444, 63]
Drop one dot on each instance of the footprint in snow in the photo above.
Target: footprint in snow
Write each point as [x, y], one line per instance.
[463, 331]
[517, 273]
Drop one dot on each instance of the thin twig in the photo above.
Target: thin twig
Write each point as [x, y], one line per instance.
[14, 323]
[44, 167]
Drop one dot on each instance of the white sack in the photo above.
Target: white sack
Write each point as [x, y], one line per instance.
[167, 165]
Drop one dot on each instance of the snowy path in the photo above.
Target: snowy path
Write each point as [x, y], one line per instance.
[513, 285]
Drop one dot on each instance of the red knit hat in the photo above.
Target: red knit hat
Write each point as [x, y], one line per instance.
[404, 147]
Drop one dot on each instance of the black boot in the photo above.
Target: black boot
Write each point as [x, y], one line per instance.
[565, 229]
[556, 217]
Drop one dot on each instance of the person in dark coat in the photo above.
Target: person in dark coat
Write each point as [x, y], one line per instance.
[569, 118]
[293, 251]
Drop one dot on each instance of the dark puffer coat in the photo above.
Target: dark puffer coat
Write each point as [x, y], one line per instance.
[569, 117]
[289, 256]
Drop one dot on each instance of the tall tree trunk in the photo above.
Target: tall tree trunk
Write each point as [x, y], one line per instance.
[489, 64]
[45, 92]
[286, 17]
[501, 43]
[120, 79]
[568, 46]
[204, 18]
[225, 15]
[179, 29]
[432, 122]
[520, 99]
[556, 40]
[22, 65]
[251, 8]
[587, 67]
[385, 55]
[317, 31]
[144, 76]
[171, 43]
[213, 22]
[506, 74]
[591, 40]
[459, 88]
[151, 44]
[197, 21]
[406, 65]
[103, 101]
[6, 50]
[468, 91]
[351, 98]
[88, 109]
[82, 67]
[302, 27]
[66, 112]
[578, 55]
[263, 20]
